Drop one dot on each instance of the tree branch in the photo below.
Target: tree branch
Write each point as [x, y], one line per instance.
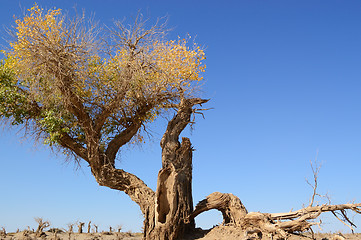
[68, 142]
[126, 135]
[108, 110]
[324, 208]
[121, 180]
[121, 139]
[182, 118]
[75, 105]
[231, 207]
[170, 142]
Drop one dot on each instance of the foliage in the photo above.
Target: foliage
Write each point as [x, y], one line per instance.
[13, 102]
[63, 77]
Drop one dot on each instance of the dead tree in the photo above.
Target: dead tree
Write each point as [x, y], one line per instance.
[70, 227]
[41, 226]
[275, 224]
[80, 227]
[96, 228]
[89, 226]
[279, 225]
[3, 232]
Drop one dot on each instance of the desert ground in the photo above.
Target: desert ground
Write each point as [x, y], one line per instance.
[217, 233]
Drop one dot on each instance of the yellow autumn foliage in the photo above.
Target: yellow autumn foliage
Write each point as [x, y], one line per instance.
[173, 63]
[54, 56]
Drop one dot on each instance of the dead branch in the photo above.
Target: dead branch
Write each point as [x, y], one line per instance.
[276, 224]
[230, 206]
[344, 219]
[316, 167]
[315, 170]
[324, 208]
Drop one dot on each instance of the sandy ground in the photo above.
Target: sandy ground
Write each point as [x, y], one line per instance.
[74, 236]
[218, 233]
[230, 233]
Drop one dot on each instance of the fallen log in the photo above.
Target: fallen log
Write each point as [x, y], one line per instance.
[275, 224]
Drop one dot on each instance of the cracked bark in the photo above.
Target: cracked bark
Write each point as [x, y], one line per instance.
[173, 197]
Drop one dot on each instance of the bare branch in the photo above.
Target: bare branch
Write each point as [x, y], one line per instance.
[315, 170]
[343, 222]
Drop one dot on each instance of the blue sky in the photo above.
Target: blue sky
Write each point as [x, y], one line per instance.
[284, 82]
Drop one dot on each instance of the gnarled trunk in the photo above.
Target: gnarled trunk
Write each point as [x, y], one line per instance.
[173, 200]
[165, 211]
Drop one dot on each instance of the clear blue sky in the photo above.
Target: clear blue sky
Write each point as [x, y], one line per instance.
[284, 79]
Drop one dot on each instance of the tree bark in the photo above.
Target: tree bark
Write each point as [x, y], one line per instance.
[232, 209]
[173, 198]
[121, 180]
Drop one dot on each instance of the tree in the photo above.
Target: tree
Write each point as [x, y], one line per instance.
[80, 227]
[41, 226]
[89, 92]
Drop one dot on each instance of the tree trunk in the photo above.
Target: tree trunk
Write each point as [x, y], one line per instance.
[173, 198]
[165, 211]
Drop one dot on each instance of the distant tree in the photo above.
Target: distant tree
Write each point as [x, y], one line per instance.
[95, 228]
[70, 227]
[3, 232]
[89, 94]
[80, 227]
[41, 226]
[89, 226]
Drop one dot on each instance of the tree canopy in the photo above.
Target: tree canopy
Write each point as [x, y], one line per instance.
[71, 82]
